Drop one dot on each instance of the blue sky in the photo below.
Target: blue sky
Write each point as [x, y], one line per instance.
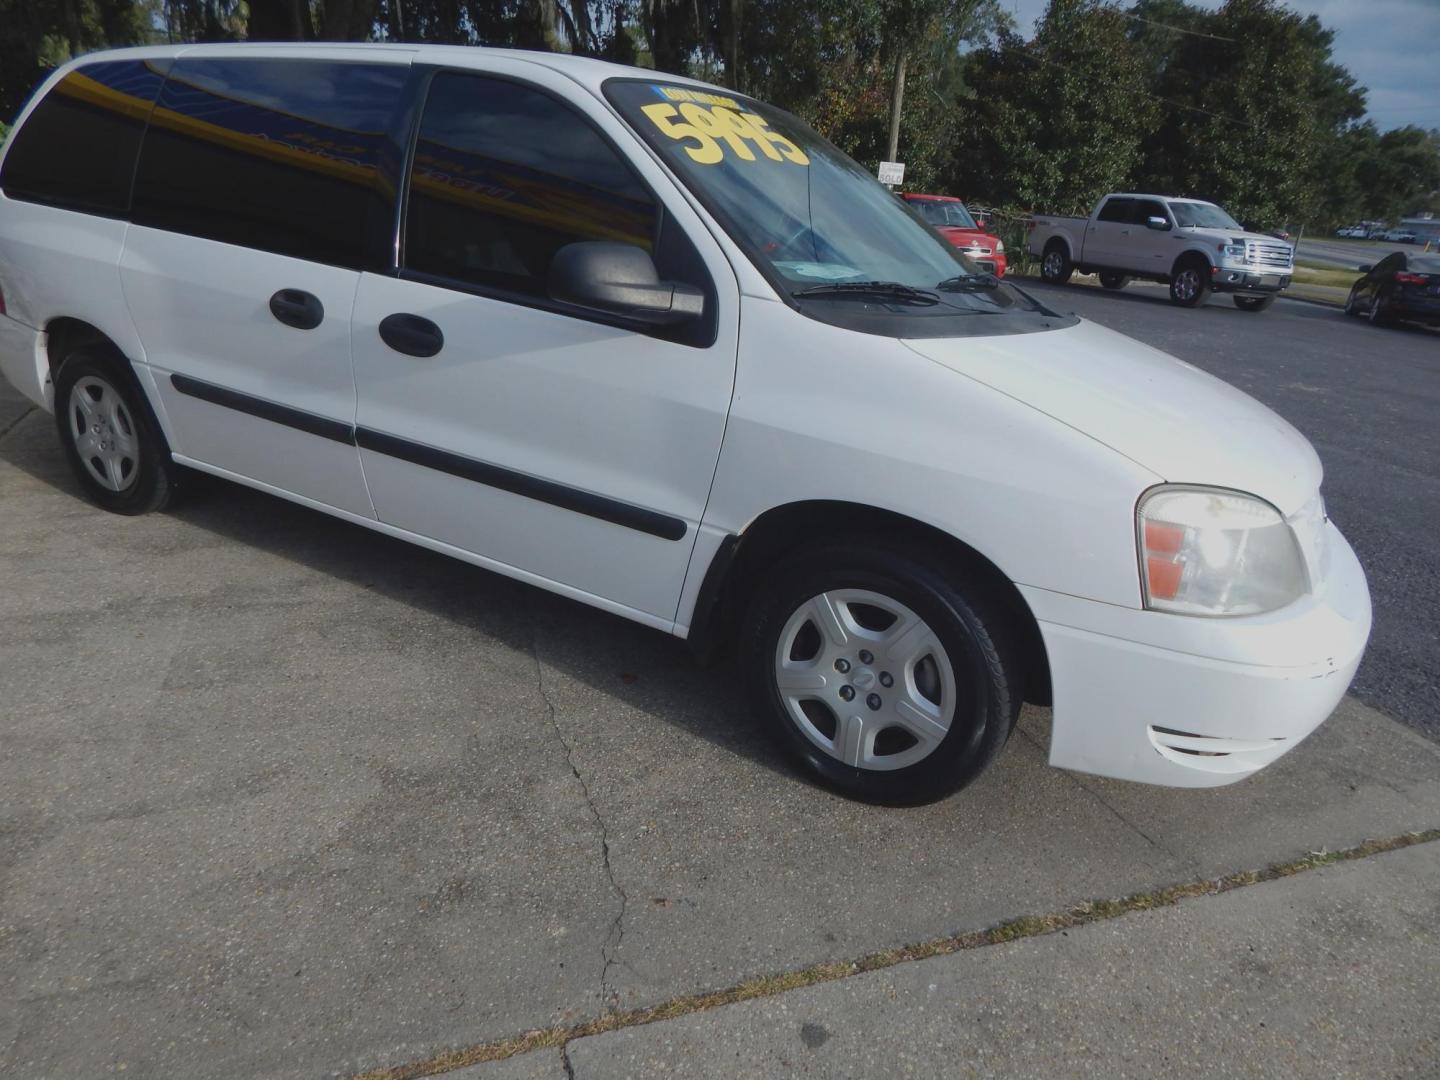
[1392, 47]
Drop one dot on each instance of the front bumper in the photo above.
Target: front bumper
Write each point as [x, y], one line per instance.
[1242, 280]
[1192, 702]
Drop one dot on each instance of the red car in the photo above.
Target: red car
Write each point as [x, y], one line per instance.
[953, 221]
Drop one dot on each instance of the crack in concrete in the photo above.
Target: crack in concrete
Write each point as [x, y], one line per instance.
[1088, 790]
[616, 934]
[769, 986]
[565, 1062]
[16, 422]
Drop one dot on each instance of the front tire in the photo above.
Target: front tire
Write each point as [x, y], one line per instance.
[1253, 303]
[110, 437]
[882, 678]
[1055, 264]
[1190, 284]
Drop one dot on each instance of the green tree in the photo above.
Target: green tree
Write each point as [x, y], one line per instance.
[1249, 106]
[1060, 119]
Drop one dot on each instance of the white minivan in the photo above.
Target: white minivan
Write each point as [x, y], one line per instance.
[659, 347]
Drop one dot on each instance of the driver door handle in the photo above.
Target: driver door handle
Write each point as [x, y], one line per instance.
[413, 335]
[297, 308]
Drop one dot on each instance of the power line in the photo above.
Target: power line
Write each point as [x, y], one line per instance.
[1180, 29]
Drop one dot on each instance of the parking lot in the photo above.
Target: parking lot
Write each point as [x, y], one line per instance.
[282, 797]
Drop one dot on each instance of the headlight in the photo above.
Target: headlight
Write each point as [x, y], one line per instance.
[1208, 551]
[1235, 250]
[999, 247]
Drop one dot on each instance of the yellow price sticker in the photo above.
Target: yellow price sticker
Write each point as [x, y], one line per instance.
[709, 130]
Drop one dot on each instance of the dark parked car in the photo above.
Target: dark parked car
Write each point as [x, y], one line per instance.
[1399, 286]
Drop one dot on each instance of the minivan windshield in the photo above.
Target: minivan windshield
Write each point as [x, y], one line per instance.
[818, 225]
[1200, 215]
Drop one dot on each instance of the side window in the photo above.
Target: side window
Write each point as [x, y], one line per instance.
[78, 147]
[503, 177]
[1145, 209]
[1116, 210]
[280, 155]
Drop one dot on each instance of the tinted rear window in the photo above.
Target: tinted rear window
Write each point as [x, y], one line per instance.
[77, 149]
[1117, 210]
[280, 155]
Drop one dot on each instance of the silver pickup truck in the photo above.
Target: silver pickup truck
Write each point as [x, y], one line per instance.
[1193, 246]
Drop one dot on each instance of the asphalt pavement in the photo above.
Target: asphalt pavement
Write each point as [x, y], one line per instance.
[1368, 398]
[1348, 254]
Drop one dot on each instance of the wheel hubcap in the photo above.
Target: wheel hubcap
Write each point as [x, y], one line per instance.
[1186, 285]
[865, 679]
[104, 434]
[1052, 264]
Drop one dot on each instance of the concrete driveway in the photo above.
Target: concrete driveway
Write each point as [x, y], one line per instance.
[283, 797]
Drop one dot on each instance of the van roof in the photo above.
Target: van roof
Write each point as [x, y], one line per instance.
[588, 72]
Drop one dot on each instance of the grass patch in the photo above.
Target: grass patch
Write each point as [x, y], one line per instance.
[1026, 926]
[1311, 274]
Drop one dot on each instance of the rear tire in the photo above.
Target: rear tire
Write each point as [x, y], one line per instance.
[883, 679]
[1055, 264]
[110, 436]
[1379, 314]
[1351, 308]
[1253, 303]
[1190, 284]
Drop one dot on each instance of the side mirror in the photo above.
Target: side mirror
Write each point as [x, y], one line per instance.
[1159, 224]
[620, 279]
[1365, 268]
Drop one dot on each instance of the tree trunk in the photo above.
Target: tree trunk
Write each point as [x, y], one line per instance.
[732, 45]
[276, 20]
[896, 100]
[346, 20]
[585, 42]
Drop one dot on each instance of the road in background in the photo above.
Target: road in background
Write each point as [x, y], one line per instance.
[1349, 254]
[1368, 399]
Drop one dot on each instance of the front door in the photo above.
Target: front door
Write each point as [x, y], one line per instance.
[1151, 251]
[255, 183]
[568, 449]
[1104, 240]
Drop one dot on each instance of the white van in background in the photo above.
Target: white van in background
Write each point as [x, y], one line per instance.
[659, 347]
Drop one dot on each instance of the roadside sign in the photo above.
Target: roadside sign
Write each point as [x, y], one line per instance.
[891, 172]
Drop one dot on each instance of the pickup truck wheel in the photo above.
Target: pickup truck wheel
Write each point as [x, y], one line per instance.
[1114, 281]
[1055, 265]
[885, 679]
[1253, 303]
[1190, 284]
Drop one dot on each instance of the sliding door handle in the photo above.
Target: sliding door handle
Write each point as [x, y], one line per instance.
[297, 308]
[412, 335]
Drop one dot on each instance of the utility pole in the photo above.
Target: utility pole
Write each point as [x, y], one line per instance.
[896, 100]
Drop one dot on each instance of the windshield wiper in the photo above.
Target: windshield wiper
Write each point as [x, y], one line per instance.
[889, 290]
[969, 283]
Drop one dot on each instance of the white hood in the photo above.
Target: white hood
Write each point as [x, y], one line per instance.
[1172, 418]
